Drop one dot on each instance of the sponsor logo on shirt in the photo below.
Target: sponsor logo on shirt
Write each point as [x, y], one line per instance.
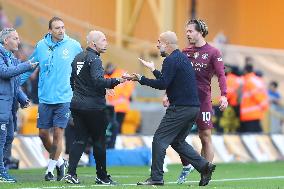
[198, 65]
[79, 67]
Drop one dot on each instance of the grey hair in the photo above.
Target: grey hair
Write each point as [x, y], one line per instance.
[5, 33]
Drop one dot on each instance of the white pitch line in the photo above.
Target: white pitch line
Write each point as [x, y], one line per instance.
[237, 179]
[113, 176]
[214, 180]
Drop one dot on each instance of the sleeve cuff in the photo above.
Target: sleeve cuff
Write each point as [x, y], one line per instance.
[141, 81]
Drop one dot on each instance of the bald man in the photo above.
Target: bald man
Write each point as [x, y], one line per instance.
[178, 79]
[88, 107]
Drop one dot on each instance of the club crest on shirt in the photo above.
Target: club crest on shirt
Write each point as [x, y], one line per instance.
[3, 127]
[65, 53]
[67, 115]
[220, 59]
[204, 56]
[195, 55]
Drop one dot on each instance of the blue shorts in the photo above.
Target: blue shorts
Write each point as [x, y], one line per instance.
[53, 115]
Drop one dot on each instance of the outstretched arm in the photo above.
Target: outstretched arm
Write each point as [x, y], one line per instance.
[164, 79]
[151, 67]
[12, 71]
[97, 76]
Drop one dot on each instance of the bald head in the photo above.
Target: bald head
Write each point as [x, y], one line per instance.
[169, 37]
[167, 43]
[97, 41]
[94, 36]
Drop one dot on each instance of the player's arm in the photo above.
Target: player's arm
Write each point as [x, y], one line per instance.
[219, 69]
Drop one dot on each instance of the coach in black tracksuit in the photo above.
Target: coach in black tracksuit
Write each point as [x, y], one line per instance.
[178, 79]
[88, 107]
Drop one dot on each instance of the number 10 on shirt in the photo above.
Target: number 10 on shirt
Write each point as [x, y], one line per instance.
[206, 116]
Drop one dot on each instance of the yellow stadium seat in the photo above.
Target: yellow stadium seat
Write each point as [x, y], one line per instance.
[29, 121]
[131, 122]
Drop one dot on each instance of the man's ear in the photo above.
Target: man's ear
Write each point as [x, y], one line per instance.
[5, 41]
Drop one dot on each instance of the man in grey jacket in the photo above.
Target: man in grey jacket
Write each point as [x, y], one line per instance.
[10, 69]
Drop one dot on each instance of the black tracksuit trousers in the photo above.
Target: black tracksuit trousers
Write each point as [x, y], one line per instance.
[89, 123]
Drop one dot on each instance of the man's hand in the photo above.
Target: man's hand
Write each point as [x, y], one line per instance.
[110, 92]
[223, 103]
[26, 105]
[132, 77]
[127, 76]
[32, 63]
[149, 65]
[121, 80]
[136, 77]
[166, 102]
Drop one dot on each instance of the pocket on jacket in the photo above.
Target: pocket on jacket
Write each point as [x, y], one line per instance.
[5, 108]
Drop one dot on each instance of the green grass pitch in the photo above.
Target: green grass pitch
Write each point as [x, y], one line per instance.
[233, 175]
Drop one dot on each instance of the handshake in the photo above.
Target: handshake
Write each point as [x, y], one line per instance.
[135, 76]
[132, 77]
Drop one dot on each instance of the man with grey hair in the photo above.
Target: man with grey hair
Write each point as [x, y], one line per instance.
[88, 107]
[10, 69]
[178, 79]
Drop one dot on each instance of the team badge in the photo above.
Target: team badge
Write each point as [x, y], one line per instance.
[67, 115]
[3, 127]
[65, 52]
[205, 56]
[220, 59]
